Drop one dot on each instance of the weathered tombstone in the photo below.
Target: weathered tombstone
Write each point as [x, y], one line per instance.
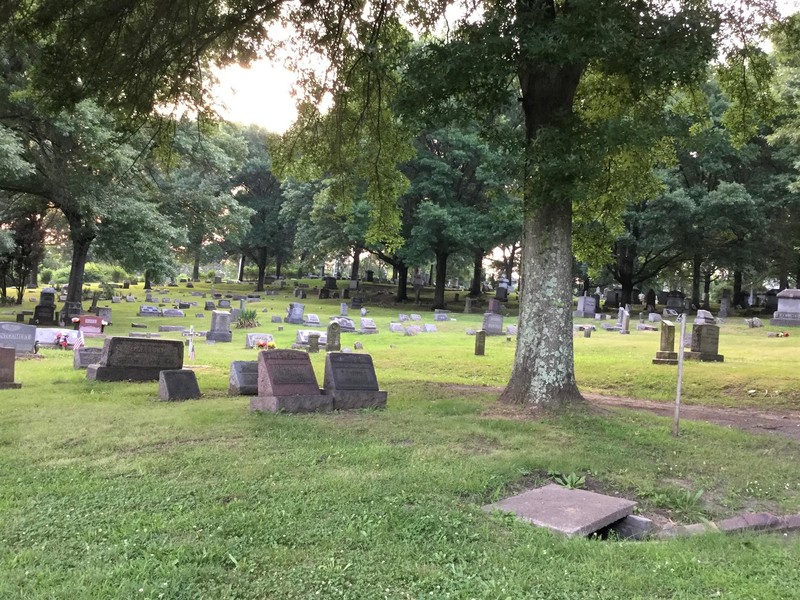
[512, 329]
[294, 314]
[45, 312]
[19, 336]
[368, 326]
[416, 317]
[209, 305]
[7, 364]
[705, 343]
[495, 306]
[492, 324]
[147, 310]
[467, 305]
[90, 325]
[104, 312]
[625, 326]
[501, 294]
[224, 303]
[480, 342]
[587, 333]
[703, 316]
[403, 318]
[666, 354]
[253, 338]
[788, 309]
[334, 341]
[675, 301]
[343, 309]
[136, 359]
[430, 328]
[220, 327]
[83, 357]
[312, 319]
[413, 330]
[440, 316]
[243, 379]
[323, 294]
[130, 298]
[303, 337]
[276, 319]
[286, 383]
[346, 324]
[313, 342]
[396, 327]
[587, 307]
[177, 384]
[351, 382]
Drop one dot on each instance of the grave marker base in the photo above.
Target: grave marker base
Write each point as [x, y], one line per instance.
[353, 400]
[703, 356]
[102, 373]
[10, 385]
[292, 404]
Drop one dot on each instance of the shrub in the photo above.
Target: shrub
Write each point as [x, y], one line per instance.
[46, 275]
[248, 318]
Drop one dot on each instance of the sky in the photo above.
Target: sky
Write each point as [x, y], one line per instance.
[262, 93]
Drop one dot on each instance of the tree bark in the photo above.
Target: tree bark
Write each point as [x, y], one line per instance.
[148, 284]
[278, 265]
[402, 282]
[82, 238]
[441, 276]
[261, 263]
[241, 267]
[697, 262]
[356, 263]
[477, 274]
[543, 371]
[706, 290]
[196, 267]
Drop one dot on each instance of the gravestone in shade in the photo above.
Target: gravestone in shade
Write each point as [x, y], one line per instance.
[294, 313]
[224, 303]
[83, 357]
[148, 310]
[243, 379]
[705, 344]
[7, 363]
[172, 312]
[324, 294]
[220, 327]
[45, 312]
[492, 323]
[788, 312]
[396, 327]
[209, 305]
[104, 312]
[19, 336]
[177, 384]
[253, 338]
[416, 317]
[666, 354]
[334, 338]
[467, 305]
[430, 328]
[495, 306]
[703, 317]
[480, 342]
[312, 319]
[286, 383]
[351, 382]
[368, 326]
[403, 318]
[90, 325]
[136, 359]
[587, 307]
[346, 324]
[343, 309]
[440, 316]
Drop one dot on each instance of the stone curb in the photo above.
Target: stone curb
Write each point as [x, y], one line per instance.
[744, 522]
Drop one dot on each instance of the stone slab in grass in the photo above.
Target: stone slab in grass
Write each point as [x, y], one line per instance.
[570, 512]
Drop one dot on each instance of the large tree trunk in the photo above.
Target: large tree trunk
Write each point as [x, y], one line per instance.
[356, 263]
[697, 262]
[477, 274]
[148, 284]
[441, 276]
[543, 370]
[196, 266]
[402, 282]
[278, 266]
[241, 268]
[706, 290]
[261, 263]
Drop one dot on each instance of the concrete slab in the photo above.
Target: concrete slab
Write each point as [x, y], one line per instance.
[570, 512]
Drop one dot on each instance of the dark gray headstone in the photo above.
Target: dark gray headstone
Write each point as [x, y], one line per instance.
[351, 381]
[178, 384]
[220, 327]
[243, 380]
[19, 336]
[136, 359]
[83, 357]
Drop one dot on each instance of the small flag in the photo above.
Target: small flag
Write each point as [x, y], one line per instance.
[79, 341]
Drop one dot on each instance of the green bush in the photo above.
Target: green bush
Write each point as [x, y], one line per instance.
[46, 275]
[60, 275]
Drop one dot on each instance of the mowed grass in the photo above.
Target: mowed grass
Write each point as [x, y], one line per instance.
[105, 493]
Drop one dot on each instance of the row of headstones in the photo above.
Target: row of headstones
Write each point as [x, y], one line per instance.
[703, 344]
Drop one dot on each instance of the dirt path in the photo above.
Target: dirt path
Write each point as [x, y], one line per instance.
[785, 423]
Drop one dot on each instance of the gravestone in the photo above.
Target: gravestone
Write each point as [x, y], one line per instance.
[674, 301]
[480, 342]
[302, 336]
[90, 325]
[104, 312]
[276, 319]
[19, 336]
[177, 384]
[356, 302]
[224, 303]
[7, 364]
[209, 305]
[788, 309]
[495, 306]
[346, 324]
[243, 379]
[396, 327]
[334, 338]
[312, 319]
[294, 313]
[587, 307]
[403, 318]
[705, 344]
[343, 309]
[440, 316]
[703, 316]
[467, 305]
[136, 359]
[45, 312]
[416, 317]
[501, 294]
[351, 382]
[413, 330]
[286, 383]
[666, 354]
[430, 328]
[512, 329]
[492, 323]
[313, 342]
[220, 327]
[253, 338]
[323, 294]
[367, 326]
[625, 326]
[168, 328]
[130, 298]
[83, 357]
[148, 310]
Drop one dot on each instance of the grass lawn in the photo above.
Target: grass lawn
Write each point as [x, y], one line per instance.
[105, 493]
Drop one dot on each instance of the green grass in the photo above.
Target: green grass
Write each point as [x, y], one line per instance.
[105, 493]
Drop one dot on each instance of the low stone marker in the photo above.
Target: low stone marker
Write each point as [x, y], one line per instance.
[83, 357]
[7, 363]
[136, 359]
[171, 328]
[147, 310]
[566, 511]
[286, 383]
[416, 317]
[705, 344]
[177, 384]
[312, 319]
[18, 336]
[367, 326]
[350, 380]
[396, 327]
[243, 379]
[480, 342]
[345, 324]
[334, 338]
[430, 328]
[253, 338]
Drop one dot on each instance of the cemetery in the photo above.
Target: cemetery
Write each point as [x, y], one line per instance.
[399, 300]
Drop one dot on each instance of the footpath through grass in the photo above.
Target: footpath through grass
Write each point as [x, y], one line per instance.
[105, 493]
